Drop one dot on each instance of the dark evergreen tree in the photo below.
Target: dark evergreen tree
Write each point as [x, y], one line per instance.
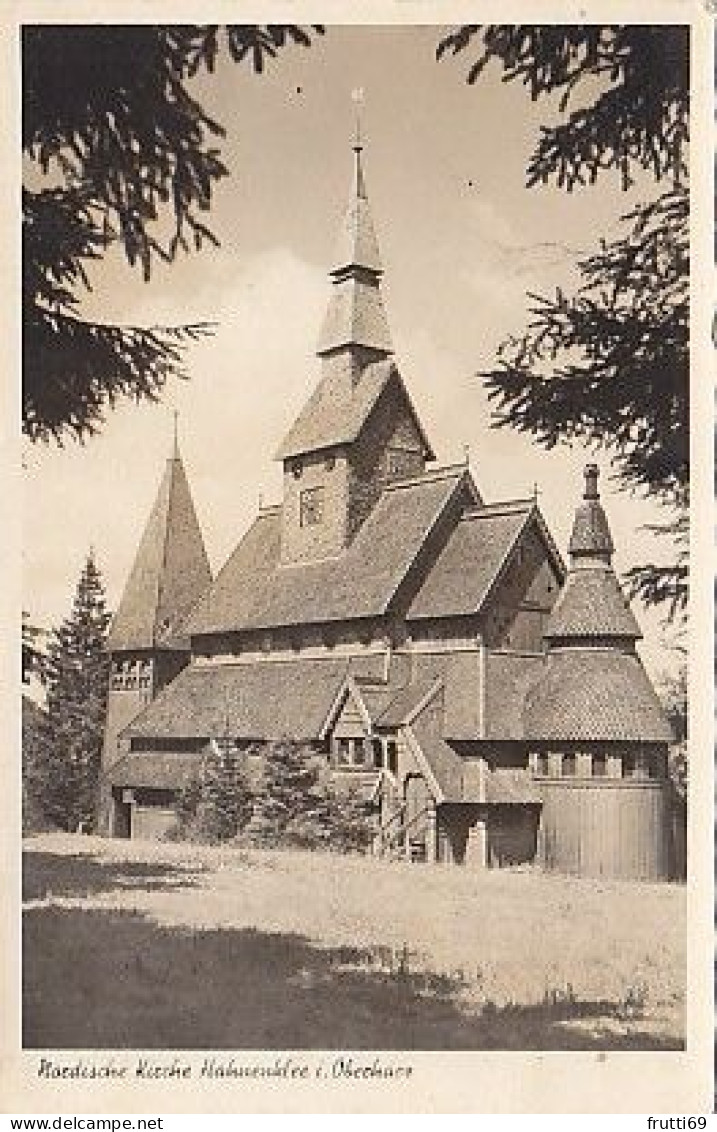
[672, 690]
[33, 658]
[299, 805]
[77, 683]
[35, 745]
[118, 152]
[217, 804]
[609, 364]
[290, 805]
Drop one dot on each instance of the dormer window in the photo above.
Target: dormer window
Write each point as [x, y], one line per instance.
[311, 507]
[401, 461]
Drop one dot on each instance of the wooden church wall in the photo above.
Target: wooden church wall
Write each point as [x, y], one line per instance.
[609, 829]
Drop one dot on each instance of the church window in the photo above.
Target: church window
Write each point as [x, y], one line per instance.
[599, 766]
[568, 768]
[400, 461]
[642, 765]
[392, 756]
[377, 753]
[343, 752]
[541, 763]
[359, 752]
[311, 506]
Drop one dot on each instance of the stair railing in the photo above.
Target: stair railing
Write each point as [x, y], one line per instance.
[382, 841]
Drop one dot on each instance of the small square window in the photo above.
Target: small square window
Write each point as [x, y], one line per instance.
[599, 766]
[311, 506]
[400, 461]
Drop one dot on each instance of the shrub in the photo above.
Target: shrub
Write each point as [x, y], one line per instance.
[217, 804]
[298, 806]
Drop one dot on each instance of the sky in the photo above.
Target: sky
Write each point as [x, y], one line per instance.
[462, 240]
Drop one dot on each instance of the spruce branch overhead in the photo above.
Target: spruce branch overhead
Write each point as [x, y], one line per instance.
[119, 153]
[608, 364]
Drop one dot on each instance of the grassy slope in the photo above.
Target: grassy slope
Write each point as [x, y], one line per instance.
[170, 946]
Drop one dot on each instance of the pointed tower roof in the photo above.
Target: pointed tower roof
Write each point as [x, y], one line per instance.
[170, 572]
[591, 605]
[593, 687]
[355, 346]
[355, 316]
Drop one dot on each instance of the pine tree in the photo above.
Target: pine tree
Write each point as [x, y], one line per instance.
[298, 805]
[217, 804]
[609, 363]
[289, 807]
[120, 157]
[77, 683]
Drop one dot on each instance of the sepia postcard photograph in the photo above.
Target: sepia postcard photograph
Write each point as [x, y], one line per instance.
[357, 457]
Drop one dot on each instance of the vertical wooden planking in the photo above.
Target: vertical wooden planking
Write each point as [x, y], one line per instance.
[605, 829]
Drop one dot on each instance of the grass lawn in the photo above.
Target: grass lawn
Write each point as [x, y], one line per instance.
[142, 945]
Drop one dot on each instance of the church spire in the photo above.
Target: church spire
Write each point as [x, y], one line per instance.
[356, 320]
[591, 608]
[591, 540]
[170, 571]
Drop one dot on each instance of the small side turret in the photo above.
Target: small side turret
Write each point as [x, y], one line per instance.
[146, 643]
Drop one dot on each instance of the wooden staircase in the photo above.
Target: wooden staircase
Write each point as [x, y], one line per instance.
[399, 838]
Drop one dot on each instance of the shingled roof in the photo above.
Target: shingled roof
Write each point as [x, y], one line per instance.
[592, 605]
[470, 562]
[507, 677]
[590, 535]
[445, 763]
[355, 315]
[170, 571]
[255, 591]
[156, 771]
[357, 245]
[594, 695]
[269, 699]
[339, 407]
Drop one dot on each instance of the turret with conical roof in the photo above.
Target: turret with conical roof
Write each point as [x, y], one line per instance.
[593, 687]
[591, 607]
[146, 642]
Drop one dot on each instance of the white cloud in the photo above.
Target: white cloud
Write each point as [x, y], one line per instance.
[247, 383]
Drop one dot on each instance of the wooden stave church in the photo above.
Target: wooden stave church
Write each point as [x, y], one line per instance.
[488, 702]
